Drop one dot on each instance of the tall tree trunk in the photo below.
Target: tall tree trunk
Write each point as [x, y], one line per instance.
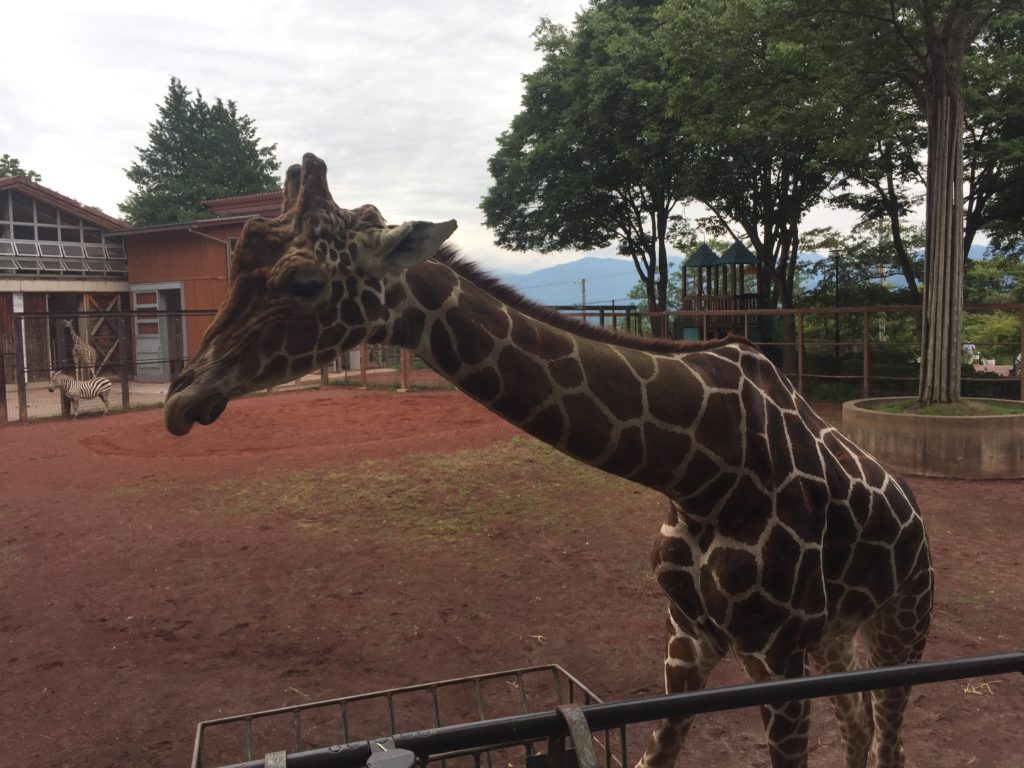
[944, 258]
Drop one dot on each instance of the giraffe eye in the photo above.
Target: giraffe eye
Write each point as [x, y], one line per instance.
[304, 288]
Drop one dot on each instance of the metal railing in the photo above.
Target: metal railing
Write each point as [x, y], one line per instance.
[529, 728]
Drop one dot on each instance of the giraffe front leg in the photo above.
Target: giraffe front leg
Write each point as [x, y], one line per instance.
[786, 724]
[691, 656]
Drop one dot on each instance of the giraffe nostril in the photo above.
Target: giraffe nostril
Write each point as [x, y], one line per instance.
[185, 378]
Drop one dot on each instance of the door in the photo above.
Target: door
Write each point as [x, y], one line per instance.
[159, 337]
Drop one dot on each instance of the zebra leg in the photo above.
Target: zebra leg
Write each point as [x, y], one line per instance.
[106, 403]
[74, 407]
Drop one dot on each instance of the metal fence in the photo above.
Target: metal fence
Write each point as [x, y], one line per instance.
[141, 351]
[532, 735]
[838, 353]
[842, 353]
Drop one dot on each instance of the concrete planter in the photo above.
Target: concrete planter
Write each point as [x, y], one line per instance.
[969, 447]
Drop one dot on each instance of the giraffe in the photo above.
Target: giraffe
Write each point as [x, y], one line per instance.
[83, 352]
[783, 541]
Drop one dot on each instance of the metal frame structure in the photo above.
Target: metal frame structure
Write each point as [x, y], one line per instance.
[592, 723]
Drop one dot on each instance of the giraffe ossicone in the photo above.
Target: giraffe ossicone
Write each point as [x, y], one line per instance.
[784, 541]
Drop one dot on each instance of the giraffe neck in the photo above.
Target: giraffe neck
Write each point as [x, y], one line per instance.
[629, 411]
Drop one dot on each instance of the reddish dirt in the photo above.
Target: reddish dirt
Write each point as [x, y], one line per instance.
[126, 616]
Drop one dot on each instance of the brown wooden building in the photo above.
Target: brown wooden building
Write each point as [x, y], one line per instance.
[56, 256]
[183, 266]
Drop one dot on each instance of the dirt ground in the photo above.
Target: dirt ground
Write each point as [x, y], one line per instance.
[327, 543]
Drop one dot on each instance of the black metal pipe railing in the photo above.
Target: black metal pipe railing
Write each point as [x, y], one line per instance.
[521, 729]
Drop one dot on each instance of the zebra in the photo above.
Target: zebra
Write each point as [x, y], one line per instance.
[81, 390]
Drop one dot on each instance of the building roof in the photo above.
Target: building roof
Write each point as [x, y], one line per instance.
[738, 253]
[702, 257]
[262, 204]
[56, 199]
[183, 225]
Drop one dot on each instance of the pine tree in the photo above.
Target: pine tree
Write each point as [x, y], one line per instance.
[10, 166]
[197, 151]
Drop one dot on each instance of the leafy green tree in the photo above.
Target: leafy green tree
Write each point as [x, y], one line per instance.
[994, 138]
[756, 98]
[590, 159]
[995, 279]
[924, 47]
[10, 166]
[197, 151]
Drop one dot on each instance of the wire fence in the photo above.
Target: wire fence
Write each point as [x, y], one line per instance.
[839, 353]
[843, 353]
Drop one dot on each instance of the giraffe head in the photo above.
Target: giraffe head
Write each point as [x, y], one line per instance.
[303, 287]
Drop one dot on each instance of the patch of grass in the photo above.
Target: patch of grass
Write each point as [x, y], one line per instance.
[963, 408]
[466, 493]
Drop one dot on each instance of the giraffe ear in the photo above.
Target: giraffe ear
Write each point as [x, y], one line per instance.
[414, 242]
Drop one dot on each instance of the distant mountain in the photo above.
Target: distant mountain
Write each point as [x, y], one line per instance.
[608, 279]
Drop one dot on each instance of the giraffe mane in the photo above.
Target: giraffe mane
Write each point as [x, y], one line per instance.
[450, 257]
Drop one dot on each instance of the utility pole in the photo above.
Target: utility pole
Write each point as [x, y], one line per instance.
[583, 289]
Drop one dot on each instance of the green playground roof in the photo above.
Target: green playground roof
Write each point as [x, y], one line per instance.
[702, 257]
[738, 253]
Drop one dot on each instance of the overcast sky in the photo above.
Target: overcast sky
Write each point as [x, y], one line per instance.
[402, 98]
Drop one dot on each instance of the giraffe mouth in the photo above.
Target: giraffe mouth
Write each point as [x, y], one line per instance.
[182, 412]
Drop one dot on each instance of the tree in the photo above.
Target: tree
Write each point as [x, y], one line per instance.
[590, 159]
[10, 166]
[197, 151]
[924, 46]
[994, 137]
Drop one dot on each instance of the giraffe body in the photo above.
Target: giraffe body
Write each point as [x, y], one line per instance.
[84, 353]
[783, 540]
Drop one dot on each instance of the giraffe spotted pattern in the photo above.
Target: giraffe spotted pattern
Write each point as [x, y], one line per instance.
[783, 543]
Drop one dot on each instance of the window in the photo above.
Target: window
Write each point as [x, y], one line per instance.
[74, 251]
[70, 235]
[91, 235]
[46, 249]
[47, 233]
[69, 220]
[27, 249]
[24, 232]
[21, 208]
[45, 214]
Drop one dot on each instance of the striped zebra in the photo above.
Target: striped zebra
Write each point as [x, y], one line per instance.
[76, 390]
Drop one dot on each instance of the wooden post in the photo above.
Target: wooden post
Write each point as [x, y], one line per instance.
[324, 378]
[800, 353]
[122, 361]
[1021, 350]
[364, 363]
[3, 383]
[866, 363]
[404, 370]
[20, 371]
[57, 365]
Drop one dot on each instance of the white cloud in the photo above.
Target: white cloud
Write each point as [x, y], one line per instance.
[403, 99]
